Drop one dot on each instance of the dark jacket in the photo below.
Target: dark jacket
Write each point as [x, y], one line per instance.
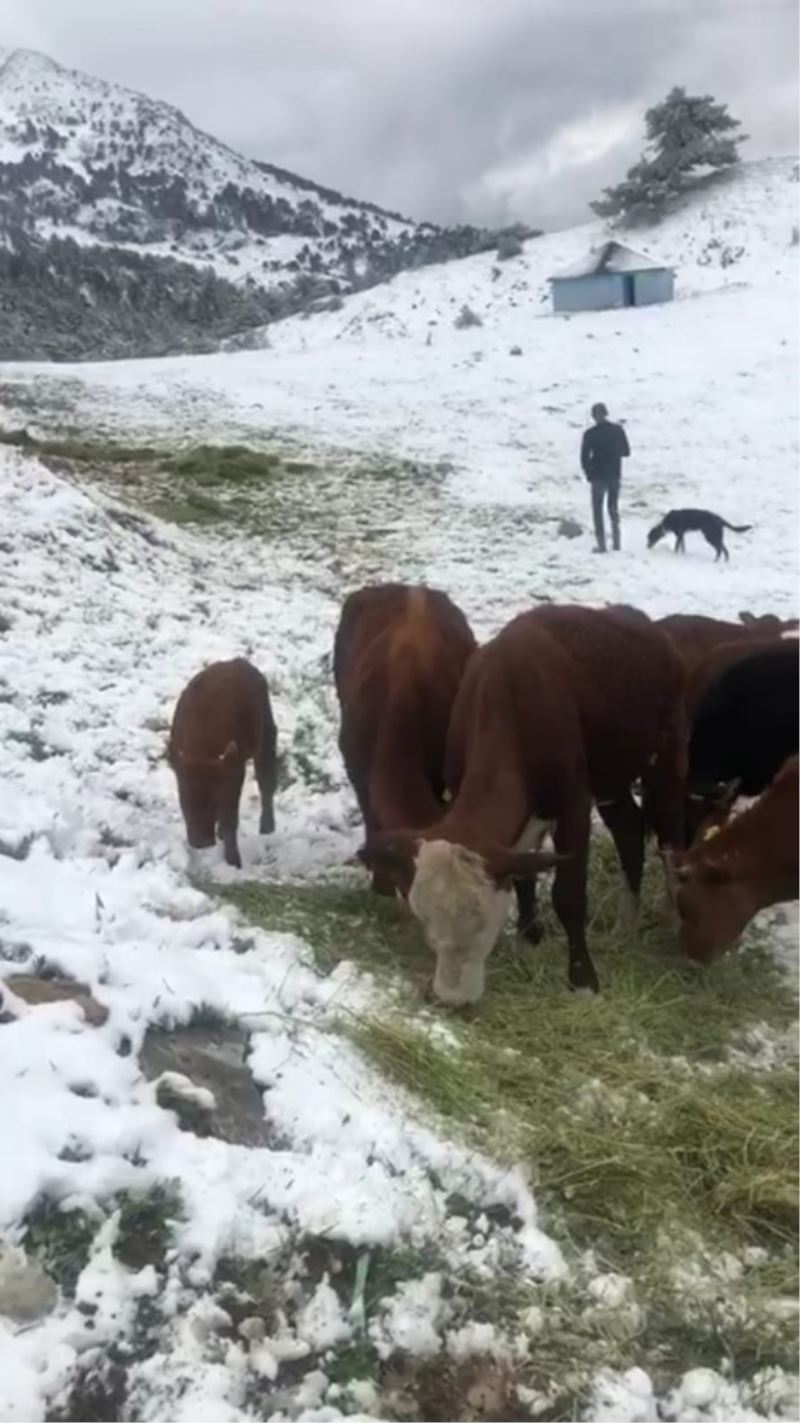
[603, 449]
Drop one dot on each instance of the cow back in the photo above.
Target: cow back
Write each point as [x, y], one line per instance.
[225, 702]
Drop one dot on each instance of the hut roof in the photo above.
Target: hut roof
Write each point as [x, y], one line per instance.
[610, 257]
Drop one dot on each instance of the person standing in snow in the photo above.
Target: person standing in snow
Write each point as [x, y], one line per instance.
[603, 449]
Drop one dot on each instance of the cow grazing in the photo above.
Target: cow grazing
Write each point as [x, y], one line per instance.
[399, 655]
[564, 706]
[744, 725]
[222, 720]
[731, 874]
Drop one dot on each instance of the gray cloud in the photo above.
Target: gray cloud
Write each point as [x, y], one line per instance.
[458, 110]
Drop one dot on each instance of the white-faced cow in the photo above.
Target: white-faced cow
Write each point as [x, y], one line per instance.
[564, 707]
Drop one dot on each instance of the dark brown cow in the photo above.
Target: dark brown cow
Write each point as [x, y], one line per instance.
[222, 720]
[564, 706]
[399, 656]
[727, 877]
[697, 637]
[743, 724]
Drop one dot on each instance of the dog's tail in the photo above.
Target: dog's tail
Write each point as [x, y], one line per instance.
[737, 528]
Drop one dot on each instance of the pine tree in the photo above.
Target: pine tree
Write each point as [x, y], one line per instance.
[688, 137]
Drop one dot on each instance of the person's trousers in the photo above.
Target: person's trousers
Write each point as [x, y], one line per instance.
[606, 491]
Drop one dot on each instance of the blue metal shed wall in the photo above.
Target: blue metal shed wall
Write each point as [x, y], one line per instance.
[594, 293]
[651, 287]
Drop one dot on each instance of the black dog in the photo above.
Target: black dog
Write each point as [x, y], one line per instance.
[681, 522]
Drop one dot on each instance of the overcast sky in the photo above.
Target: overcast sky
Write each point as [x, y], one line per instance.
[454, 110]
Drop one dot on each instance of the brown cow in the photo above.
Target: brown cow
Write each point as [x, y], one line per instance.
[697, 637]
[769, 623]
[399, 655]
[564, 706]
[730, 874]
[223, 719]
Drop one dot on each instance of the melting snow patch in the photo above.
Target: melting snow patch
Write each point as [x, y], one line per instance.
[411, 1319]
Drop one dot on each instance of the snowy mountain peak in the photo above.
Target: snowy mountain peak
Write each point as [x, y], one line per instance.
[115, 172]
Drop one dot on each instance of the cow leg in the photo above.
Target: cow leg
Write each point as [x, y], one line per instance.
[625, 821]
[229, 817]
[382, 880]
[664, 797]
[528, 926]
[571, 838]
[265, 765]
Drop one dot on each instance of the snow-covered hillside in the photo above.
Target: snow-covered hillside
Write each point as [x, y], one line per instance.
[705, 384]
[737, 233]
[101, 163]
[113, 171]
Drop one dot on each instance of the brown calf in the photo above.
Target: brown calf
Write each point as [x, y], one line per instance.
[222, 720]
[399, 655]
[732, 873]
[564, 706]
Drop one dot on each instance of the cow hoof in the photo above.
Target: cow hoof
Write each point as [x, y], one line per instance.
[584, 980]
[532, 933]
[267, 825]
[234, 859]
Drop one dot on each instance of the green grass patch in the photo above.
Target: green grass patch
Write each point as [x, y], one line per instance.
[338, 922]
[61, 1241]
[222, 464]
[189, 508]
[648, 1140]
[145, 1226]
[81, 451]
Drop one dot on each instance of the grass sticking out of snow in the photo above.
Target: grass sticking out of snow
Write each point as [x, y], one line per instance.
[178, 485]
[647, 1143]
[61, 1240]
[145, 1226]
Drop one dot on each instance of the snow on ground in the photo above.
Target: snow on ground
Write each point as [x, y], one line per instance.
[106, 625]
[102, 895]
[706, 386]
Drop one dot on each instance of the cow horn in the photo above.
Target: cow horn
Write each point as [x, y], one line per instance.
[504, 864]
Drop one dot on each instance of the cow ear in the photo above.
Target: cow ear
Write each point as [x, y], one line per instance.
[748, 619]
[230, 753]
[505, 866]
[393, 848]
[726, 793]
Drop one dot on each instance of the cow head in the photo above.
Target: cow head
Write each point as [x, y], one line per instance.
[460, 897]
[710, 810]
[200, 781]
[714, 902]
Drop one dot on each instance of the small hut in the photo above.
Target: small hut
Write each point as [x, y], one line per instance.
[611, 276]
